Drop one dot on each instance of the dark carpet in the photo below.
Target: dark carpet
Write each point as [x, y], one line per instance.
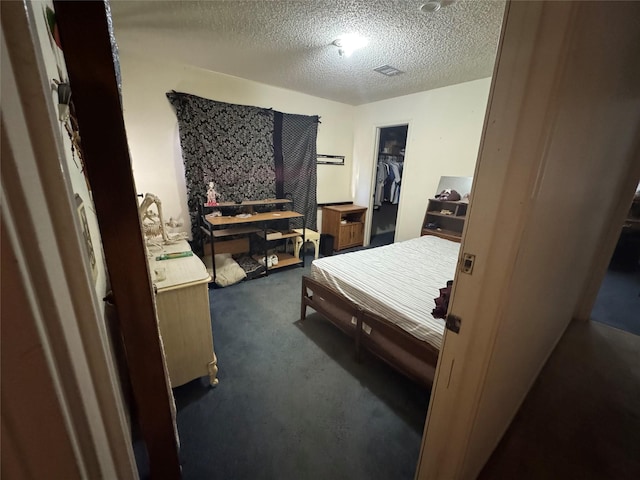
[382, 239]
[292, 402]
[581, 418]
[383, 219]
[618, 301]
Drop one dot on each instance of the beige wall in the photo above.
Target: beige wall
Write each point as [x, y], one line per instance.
[444, 133]
[445, 125]
[152, 128]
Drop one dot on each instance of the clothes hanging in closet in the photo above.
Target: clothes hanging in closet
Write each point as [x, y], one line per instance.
[388, 181]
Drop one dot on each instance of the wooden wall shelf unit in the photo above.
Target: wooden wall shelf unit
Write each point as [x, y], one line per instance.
[345, 223]
[229, 233]
[442, 224]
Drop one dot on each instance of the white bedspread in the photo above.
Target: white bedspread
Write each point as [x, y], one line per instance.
[398, 282]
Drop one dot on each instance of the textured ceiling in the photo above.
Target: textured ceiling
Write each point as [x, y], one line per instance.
[288, 43]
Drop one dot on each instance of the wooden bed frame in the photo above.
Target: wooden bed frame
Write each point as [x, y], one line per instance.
[414, 358]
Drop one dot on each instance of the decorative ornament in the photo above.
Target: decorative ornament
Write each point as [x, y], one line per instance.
[211, 196]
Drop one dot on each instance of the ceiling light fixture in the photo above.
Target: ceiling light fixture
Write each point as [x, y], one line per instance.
[349, 43]
[431, 6]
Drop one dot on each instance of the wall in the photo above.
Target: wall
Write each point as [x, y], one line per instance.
[56, 69]
[445, 125]
[152, 127]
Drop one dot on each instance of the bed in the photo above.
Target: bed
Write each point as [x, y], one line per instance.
[383, 298]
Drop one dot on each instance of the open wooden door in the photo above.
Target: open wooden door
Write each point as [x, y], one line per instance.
[62, 409]
[84, 33]
[562, 129]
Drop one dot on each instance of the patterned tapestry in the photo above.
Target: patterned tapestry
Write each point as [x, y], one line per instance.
[299, 158]
[242, 150]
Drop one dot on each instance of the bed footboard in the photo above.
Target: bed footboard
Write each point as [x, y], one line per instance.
[412, 357]
[415, 358]
[334, 307]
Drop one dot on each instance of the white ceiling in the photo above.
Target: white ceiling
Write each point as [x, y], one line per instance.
[288, 43]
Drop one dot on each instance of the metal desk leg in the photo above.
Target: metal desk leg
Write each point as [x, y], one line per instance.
[266, 261]
[213, 253]
[201, 236]
[304, 236]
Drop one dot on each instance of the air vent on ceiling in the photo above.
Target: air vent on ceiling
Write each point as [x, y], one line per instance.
[388, 70]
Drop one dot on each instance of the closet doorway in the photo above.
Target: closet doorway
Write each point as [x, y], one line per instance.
[390, 156]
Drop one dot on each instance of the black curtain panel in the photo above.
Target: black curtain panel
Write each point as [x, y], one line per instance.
[248, 153]
[227, 144]
[299, 165]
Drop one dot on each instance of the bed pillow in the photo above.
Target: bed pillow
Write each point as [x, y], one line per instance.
[228, 271]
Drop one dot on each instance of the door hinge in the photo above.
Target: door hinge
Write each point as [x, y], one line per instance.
[453, 323]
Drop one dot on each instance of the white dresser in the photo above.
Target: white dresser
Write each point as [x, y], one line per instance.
[182, 302]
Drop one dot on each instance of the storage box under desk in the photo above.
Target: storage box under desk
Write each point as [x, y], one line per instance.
[234, 246]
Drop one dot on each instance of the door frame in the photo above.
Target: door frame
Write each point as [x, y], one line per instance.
[86, 41]
[372, 185]
[64, 309]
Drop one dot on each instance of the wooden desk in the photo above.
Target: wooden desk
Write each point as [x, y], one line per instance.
[253, 223]
[182, 303]
[255, 218]
[251, 203]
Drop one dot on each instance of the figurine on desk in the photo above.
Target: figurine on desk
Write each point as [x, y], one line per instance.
[211, 196]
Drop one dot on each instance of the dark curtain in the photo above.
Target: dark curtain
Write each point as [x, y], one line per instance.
[229, 145]
[299, 171]
[248, 153]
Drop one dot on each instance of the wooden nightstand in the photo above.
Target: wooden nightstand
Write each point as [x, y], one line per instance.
[345, 223]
